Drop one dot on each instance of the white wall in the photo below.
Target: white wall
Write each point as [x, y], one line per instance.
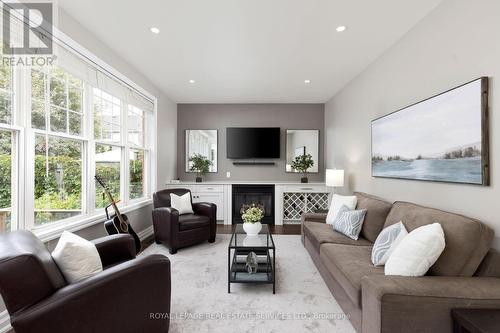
[456, 43]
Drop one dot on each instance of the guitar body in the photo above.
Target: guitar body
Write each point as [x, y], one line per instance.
[112, 226]
[118, 224]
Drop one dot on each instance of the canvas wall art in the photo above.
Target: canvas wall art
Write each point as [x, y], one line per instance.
[443, 138]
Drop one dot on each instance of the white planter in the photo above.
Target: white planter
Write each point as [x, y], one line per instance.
[252, 229]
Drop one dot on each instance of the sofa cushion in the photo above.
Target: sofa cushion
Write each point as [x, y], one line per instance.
[467, 239]
[319, 233]
[377, 210]
[191, 221]
[348, 264]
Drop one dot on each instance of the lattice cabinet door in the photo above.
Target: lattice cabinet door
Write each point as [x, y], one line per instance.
[316, 201]
[296, 203]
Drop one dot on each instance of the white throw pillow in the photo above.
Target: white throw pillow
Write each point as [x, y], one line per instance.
[386, 242]
[181, 203]
[337, 202]
[417, 252]
[77, 258]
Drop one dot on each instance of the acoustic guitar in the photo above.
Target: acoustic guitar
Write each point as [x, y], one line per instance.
[118, 223]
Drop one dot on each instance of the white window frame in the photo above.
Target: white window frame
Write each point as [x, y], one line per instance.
[22, 215]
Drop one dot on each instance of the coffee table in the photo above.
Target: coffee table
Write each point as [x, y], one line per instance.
[240, 246]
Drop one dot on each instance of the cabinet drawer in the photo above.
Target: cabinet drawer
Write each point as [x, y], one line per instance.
[174, 186]
[208, 188]
[305, 188]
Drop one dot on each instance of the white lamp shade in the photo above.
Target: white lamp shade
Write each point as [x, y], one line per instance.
[334, 177]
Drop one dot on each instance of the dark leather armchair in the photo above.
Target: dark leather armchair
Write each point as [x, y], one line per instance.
[124, 297]
[178, 231]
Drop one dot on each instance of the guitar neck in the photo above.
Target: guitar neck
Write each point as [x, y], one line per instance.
[123, 223]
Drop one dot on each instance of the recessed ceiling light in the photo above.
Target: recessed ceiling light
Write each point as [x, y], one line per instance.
[192, 81]
[155, 30]
[341, 28]
[307, 81]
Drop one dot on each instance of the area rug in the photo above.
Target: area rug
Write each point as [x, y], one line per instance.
[200, 301]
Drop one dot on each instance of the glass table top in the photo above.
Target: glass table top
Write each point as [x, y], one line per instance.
[240, 239]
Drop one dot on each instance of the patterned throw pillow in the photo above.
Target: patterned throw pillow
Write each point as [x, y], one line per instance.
[349, 222]
[386, 242]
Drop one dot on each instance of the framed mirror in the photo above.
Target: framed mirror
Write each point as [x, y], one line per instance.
[201, 142]
[302, 142]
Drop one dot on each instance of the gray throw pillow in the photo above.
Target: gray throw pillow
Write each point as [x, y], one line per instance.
[349, 222]
[386, 242]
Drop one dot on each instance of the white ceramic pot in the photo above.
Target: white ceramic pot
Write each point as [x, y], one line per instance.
[252, 229]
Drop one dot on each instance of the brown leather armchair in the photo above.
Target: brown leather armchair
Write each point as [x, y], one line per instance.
[122, 298]
[182, 230]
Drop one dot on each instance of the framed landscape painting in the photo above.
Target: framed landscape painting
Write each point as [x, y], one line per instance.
[443, 138]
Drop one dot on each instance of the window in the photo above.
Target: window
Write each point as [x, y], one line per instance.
[58, 178]
[107, 119]
[59, 127]
[5, 180]
[135, 126]
[6, 94]
[108, 168]
[136, 123]
[56, 101]
[136, 174]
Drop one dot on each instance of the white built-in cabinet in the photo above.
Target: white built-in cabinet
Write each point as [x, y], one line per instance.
[291, 199]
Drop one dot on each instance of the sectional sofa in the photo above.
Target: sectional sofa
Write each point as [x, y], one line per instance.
[466, 275]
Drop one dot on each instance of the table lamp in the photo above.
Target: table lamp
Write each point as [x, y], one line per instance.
[334, 178]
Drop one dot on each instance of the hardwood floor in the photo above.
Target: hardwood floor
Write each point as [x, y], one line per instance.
[287, 229]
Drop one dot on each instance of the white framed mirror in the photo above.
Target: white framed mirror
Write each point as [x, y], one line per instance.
[201, 142]
[302, 142]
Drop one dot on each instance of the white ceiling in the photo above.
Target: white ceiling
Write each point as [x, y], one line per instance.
[249, 51]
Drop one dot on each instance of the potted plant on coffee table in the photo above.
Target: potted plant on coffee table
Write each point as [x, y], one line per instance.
[301, 164]
[252, 215]
[201, 165]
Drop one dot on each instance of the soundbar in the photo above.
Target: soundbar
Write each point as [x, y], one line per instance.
[253, 163]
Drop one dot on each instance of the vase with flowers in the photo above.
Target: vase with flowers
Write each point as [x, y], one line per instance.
[251, 216]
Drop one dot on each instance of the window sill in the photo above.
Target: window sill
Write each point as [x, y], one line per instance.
[49, 232]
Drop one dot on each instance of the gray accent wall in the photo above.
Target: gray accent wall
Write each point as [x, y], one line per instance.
[220, 116]
[454, 44]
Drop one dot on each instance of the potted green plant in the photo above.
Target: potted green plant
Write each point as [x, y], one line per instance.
[301, 164]
[252, 215]
[200, 164]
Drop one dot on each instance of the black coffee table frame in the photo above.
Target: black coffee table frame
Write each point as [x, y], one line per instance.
[263, 246]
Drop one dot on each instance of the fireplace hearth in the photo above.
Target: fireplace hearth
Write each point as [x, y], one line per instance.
[261, 194]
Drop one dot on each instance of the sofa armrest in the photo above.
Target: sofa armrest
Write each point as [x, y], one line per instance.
[209, 210]
[166, 225]
[118, 299]
[310, 217]
[422, 304]
[313, 217]
[115, 249]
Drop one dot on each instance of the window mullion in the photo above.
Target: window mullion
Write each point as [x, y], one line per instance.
[88, 131]
[126, 153]
[25, 153]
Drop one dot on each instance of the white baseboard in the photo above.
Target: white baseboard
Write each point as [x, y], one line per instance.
[143, 234]
[4, 322]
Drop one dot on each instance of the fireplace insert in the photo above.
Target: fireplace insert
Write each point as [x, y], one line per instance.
[261, 194]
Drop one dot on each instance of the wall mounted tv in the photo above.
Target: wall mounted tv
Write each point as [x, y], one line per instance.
[253, 142]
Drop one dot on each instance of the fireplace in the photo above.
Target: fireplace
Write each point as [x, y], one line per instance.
[253, 194]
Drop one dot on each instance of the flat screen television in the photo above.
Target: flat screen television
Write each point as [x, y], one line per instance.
[253, 142]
